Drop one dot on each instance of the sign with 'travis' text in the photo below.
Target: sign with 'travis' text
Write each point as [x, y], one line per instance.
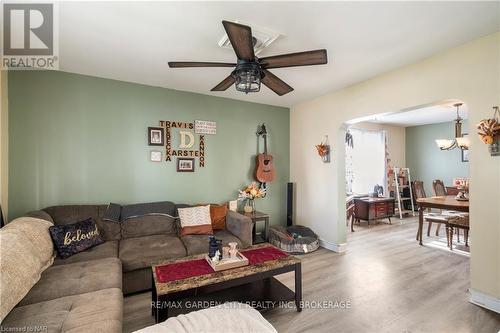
[183, 141]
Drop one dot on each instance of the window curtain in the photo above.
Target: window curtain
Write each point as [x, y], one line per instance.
[366, 161]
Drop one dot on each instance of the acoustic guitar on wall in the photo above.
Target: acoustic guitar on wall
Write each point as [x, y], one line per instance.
[264, 170]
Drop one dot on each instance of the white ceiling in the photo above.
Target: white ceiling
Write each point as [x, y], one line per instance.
[432, 114]
[132, 41]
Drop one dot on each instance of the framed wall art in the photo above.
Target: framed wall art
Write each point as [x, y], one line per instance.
[155, 136]
[185, 164]
[465, 152]
[155, 156]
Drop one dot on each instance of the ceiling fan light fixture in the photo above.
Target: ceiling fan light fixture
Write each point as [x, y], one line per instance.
[251, 71]
[247, 77]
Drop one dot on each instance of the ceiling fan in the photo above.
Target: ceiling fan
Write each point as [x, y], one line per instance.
[249, 70]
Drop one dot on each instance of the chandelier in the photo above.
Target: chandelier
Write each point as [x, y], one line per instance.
[459, 141]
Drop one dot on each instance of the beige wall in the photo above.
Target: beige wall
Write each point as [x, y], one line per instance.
[4, 143]
[469, 72]
[395, 141]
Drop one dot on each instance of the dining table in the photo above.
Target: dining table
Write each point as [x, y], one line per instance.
[448, 202]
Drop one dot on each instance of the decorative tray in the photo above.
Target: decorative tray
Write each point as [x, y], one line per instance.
[228, 263]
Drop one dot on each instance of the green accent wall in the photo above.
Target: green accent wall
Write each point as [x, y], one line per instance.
[427, 162]
[78, 139]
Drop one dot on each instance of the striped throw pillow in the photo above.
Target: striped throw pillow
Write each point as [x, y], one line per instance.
[195, 221]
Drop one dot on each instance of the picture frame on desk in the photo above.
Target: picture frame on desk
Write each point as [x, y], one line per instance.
[233, 205]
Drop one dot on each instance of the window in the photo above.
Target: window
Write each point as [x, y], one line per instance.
[366, 161]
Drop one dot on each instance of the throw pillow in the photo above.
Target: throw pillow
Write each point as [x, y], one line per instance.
[218, 216]
[195, 221]
[69, 239]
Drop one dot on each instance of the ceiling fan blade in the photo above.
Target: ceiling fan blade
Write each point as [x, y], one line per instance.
[275, 83]
[226, 83]
[182, 64]
[241, 39]
[316, 57]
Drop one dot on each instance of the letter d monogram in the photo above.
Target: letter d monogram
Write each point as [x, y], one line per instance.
[183, 143]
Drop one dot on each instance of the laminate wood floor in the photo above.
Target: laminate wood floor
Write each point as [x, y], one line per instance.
[391, 283]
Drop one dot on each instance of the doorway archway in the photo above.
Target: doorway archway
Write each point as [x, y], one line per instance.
[341, 157]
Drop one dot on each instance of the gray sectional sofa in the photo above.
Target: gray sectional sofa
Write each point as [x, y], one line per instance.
[84, 292]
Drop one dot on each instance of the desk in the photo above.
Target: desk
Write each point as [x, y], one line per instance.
[445, 202]
[369, 209]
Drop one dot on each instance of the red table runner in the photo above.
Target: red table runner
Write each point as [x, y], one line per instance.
[187, 269]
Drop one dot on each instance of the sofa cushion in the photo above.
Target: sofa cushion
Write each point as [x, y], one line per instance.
[142, 252]
[97, 311]
[40, 214]
[77, 237]
[77, 278]
[147, 225]
[107, 249]
[227, 237]
[74, 213]
[197, 244]
[112, 213]
[240, 226]
[26, 250]
[166, 208]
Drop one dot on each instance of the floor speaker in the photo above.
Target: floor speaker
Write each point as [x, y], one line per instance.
[289, 204]
[1, 218]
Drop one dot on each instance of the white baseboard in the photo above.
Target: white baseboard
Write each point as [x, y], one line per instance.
[484, 300]
[339, 248]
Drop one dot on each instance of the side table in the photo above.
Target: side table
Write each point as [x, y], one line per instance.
[259, 217]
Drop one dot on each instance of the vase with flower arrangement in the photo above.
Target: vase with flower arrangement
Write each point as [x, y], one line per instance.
[462, 185]
[249, 194]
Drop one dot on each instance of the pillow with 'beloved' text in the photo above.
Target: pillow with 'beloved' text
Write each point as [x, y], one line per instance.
[73, 238]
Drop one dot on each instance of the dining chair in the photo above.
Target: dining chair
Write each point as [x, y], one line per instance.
[457, 222]
[419, 191]
[438, 188]
[418, 187]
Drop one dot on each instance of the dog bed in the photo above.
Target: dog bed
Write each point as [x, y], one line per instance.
[295, 239]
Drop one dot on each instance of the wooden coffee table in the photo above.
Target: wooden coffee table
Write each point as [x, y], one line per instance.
[254, 284]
